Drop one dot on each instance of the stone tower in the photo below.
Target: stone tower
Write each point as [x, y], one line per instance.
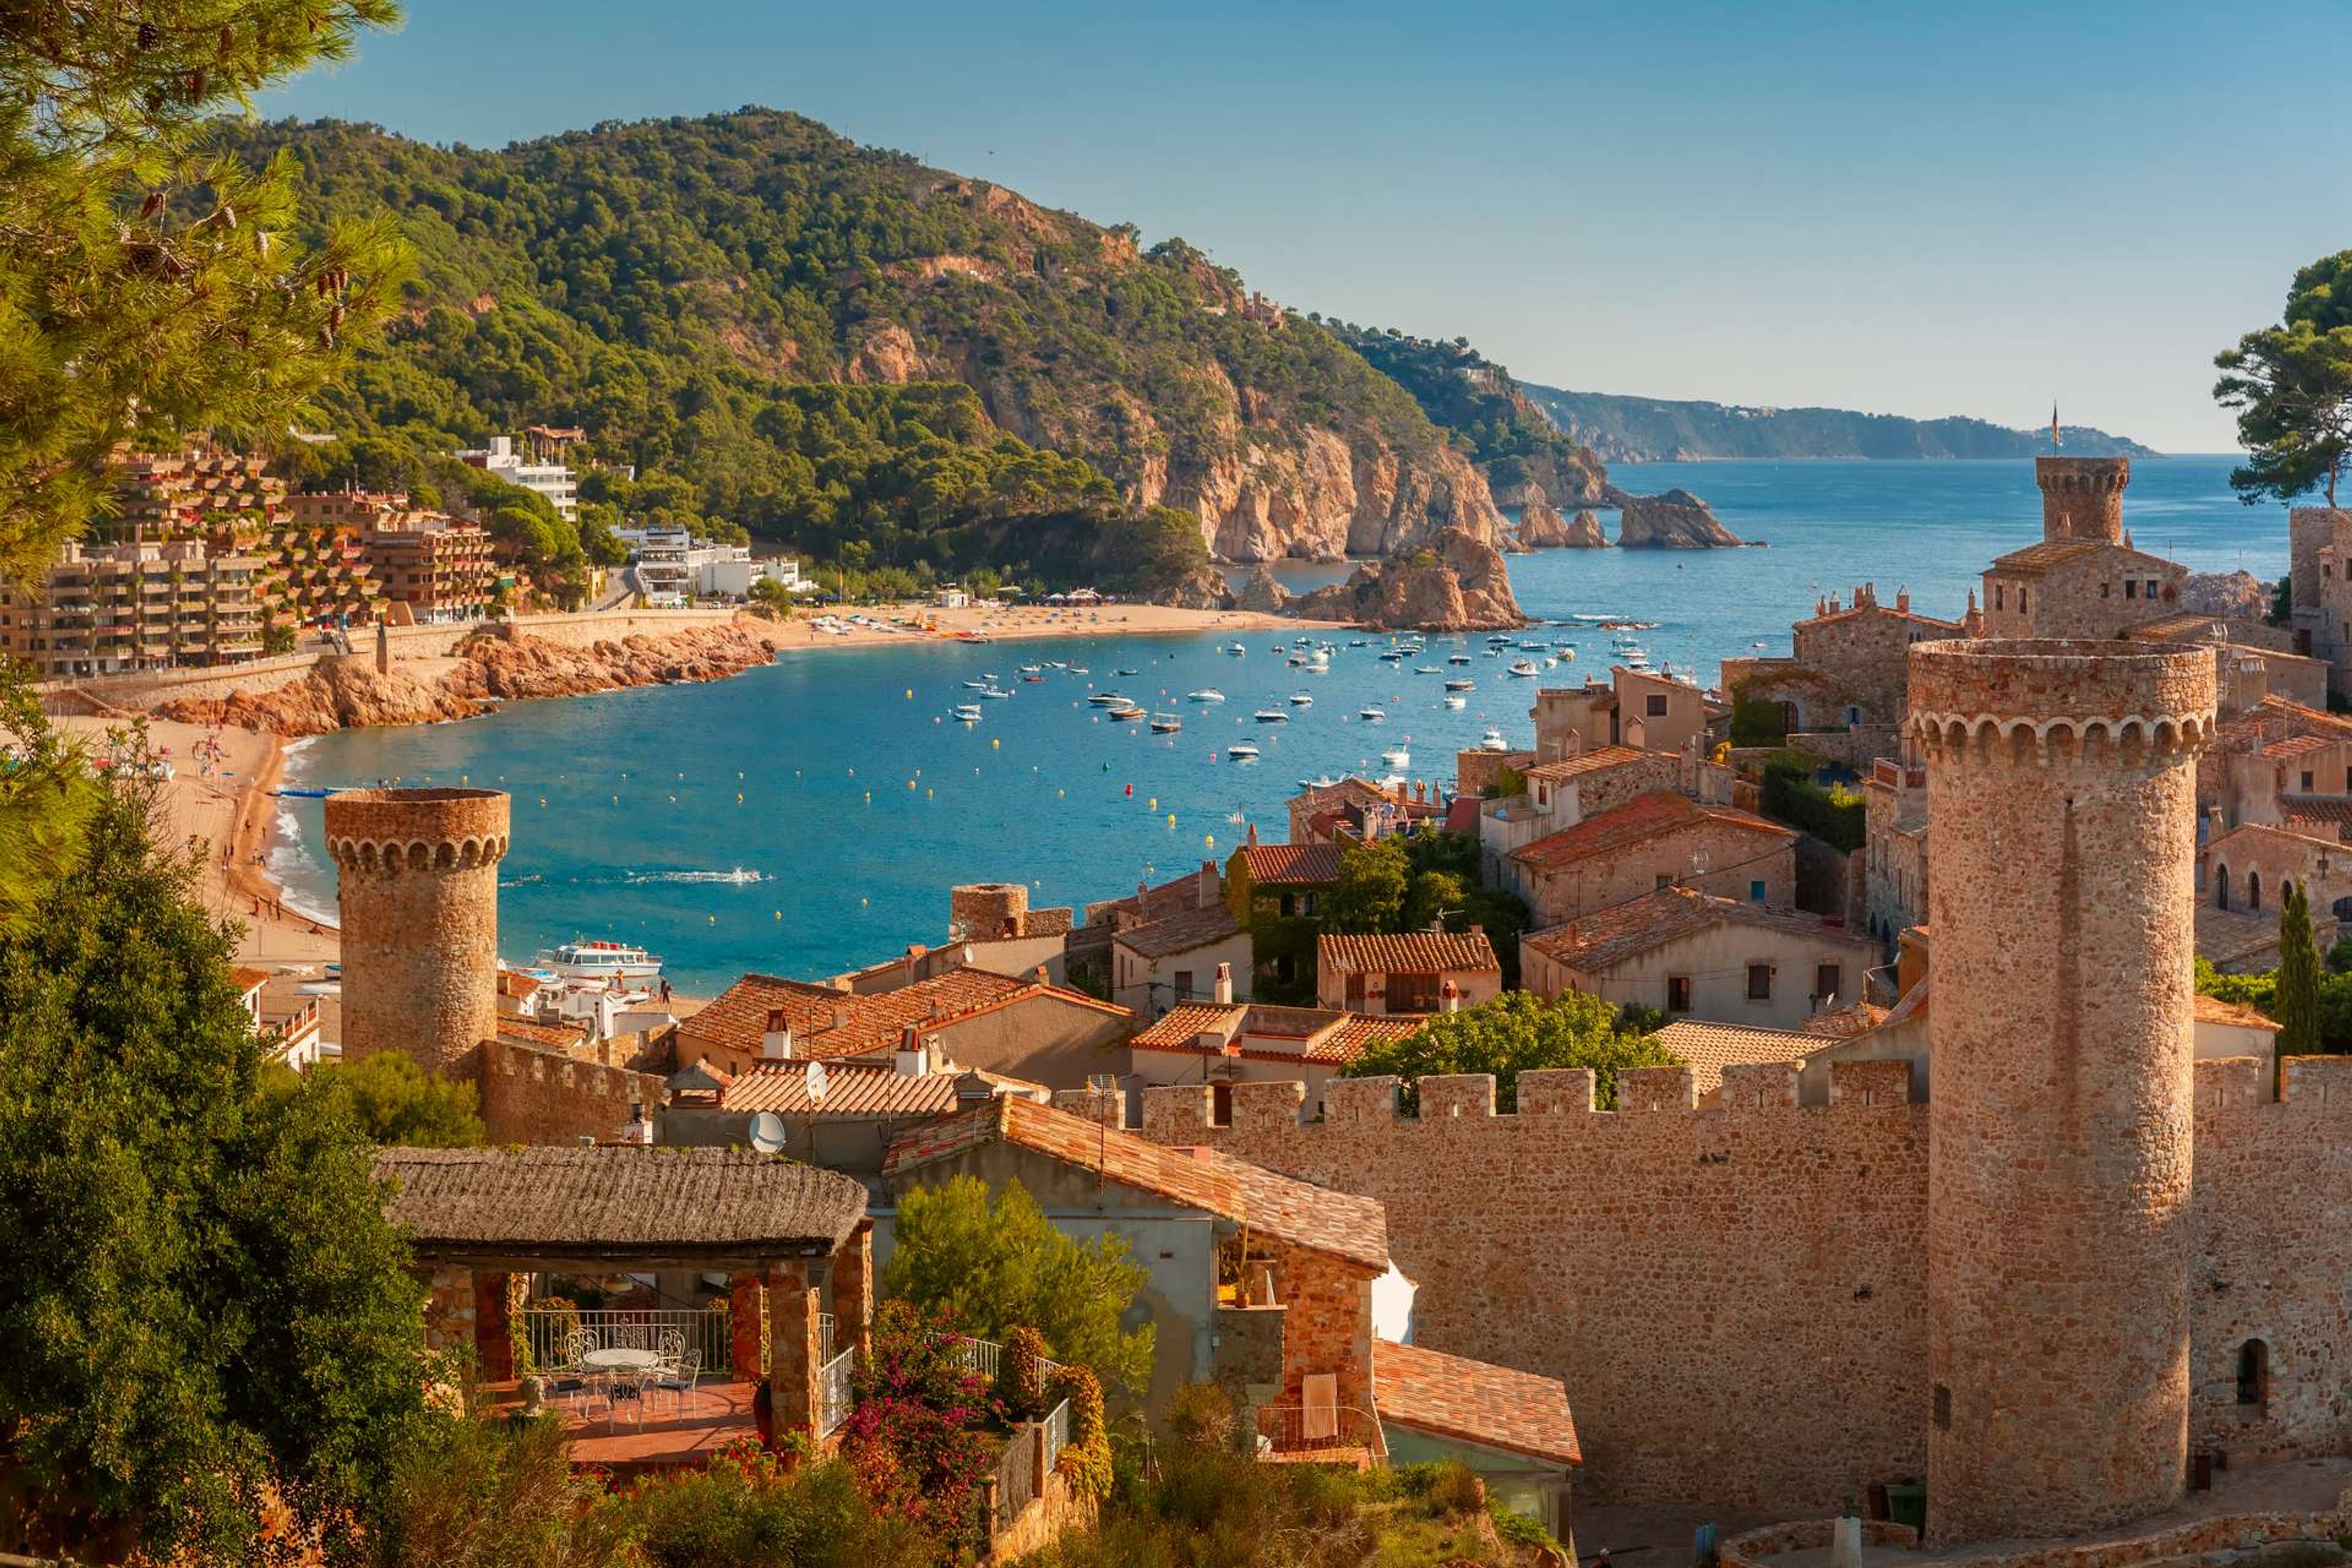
[2083, 498]
[418, 870]
[2061, 809]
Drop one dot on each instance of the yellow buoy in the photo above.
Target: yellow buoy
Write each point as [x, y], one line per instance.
[461, 778]
[1210, 839]
[542, 800]
[616, 800]
[779, 914]
[869, 797]
[930, 794]
[910, 694]
[713, 919]
[1154, 803]
[738, 797]
[993, 743]
[1171, 819]
[1061, 794]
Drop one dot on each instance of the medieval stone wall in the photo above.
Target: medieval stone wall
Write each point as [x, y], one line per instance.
[545, 1097]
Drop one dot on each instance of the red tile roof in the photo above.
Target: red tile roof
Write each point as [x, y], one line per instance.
[1288, 1210]
[856, 1091]
[1599, 759]
[827, 1024]
[1292, 864]
[1706, 1048]
[1181, 1024]
[1406, 952]
[2213, 1010]
[1474, 1401]
[1852, 611]
[530, 1031]
[1609, 936]
[247, 979]
[1194, 928]
[1324, 1034]
[1637, 821]
[2332, 812]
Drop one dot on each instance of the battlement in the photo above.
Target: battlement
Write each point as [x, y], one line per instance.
[2054, 702]
[2083, 498]
[393, 830]
[2322, 1084]
[532, 1096]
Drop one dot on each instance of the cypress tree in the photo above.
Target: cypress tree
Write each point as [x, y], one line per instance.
[2298, 983]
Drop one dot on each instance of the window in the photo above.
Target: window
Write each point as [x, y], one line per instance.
[1827, 982]
[2020, 598]
[1307, 905]
[1666, 879]
[2221, 889]
[1756, 891]
[1356, 992]
[1996, 597]
[2131, 589]
[1289, 905]
[2151, 588]
[1221, 1105]
[2254, 1374]
[1678, 993]
[1183, 985]
[1286, 968]
[2103, 589]
[1412, 993]
[1759, 982]
[1943, 1402]
[2253, 889]
[1655, 705]
[1852, 714]
[2307, 781]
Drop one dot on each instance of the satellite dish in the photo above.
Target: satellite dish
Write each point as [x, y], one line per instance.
[768, 1132]
[816, 1081]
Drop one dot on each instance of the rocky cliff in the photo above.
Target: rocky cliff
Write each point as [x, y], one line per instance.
[1675, 520]
[1541, 527]
[2238, 593]
[1459, 585]
[345, 693]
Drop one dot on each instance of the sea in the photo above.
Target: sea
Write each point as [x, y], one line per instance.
[809, 816]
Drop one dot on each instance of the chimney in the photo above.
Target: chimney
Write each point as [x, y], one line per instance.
[912, 1059]
[1225, 984]
[1903, 599]
[1251, 837]
[776, 1045]
[1041, 977]
[1449, 997]
[1208, 883]
[639, 1130]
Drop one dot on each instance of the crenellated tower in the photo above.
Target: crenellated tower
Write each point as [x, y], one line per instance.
[418, 884]
[2062, 811]
[2083, 498]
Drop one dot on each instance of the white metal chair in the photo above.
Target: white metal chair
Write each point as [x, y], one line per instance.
[678, 1380]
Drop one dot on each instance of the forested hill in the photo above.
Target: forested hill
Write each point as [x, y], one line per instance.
[1639, 429]
[1517, 446]
[838, 347]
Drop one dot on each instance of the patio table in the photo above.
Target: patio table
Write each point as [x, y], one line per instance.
[618, 1358]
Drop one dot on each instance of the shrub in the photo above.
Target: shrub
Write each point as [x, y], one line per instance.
[1086, 1460]
[1021, 1373]
[496, 1494]
[1792, 794]
[745, 1509]
[913, 1437]
[1202, 1415]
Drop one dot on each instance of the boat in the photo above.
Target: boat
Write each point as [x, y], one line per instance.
[1566, 654]
[1236, 650]
[1392, 656]
[1206, 694]
[1396, 757]
[1457, 701]
[1531, 648]
[1500, 639]
[1081, 669]
[976, 685]
[1371, 715]
[1033, 678]
[1108, 698]
[1242, 751]
[967, 713]
[1461, 685]
[1359, 642]
[1166, 723]
[1031, 668]
[1321, 655]
[1458, 659]
[1492, 741]
[602, 960]
[1272, 716]
[1127, 672]
[1525, 668]
[1126, 714]
[1302, 700]
[995, 692]
[1325, 782]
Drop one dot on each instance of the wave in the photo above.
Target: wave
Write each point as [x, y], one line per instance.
[738, 877]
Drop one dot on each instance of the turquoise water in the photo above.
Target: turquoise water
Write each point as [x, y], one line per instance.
[856, 805]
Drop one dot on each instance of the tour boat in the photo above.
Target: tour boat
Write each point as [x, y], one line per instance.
[967, 713]
[1206, 694]
[1524, 667]
[1166, 723]
[1492, 741]
[602, 960]
[1272, 716]
[1301, 699]
[1242, 751]
[1371, 715]
[1461, 686]
[1396, 757]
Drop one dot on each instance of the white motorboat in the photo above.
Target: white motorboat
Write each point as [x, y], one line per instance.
[1109, 699]
[1371, 715]
[976, 685]
[1525, 668]
[602, 960]
[1457, 701]
[1457, 658]
[1425, 669]
[1492, 741]
[1236, 650]
[1302, 700]
[994, 693]
[1242, 751]
[1272, 716]
[1206, 694]
[1396, 757]
[967, 713]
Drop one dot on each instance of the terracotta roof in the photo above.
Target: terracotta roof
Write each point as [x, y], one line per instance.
[2213, 1010]
[2333, 812]
[1346, 791]
[1286, 1209]
[1324, 1034]
[245, 978]
[617, 1200]
[1294, 865]
[857, 1090]
[514, 982]
[2036, 558]
[827, 1024]
[1178, 1026]
[1195, 927]
[1852, 611]
[1474, 1401]
[1844, 1023]
[1609, 936]
[2174, 628]
[1643, 818]
[1706, 1048]
[1599, 759]
[1406, 952]
[2299, 746]
[531, 1032]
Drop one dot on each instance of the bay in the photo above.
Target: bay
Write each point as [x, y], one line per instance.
[837, 781]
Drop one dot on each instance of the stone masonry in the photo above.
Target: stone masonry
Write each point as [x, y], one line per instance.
[2083, 498]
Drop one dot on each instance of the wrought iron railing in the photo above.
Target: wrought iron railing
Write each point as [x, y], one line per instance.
[545, 1328]
[824, 1336]
[833, 1392]
[1293, 1430]
[1057, 1433]
[986, 1357]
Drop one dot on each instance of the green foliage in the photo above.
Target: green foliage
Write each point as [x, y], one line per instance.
[1021, 1373]
[2298, 976]
[1375, 878]
[1511, 1035]
[1086, 1459]
[744, 1510]
[392, 1100]
[2282, 610]
[1790, 794]
[1002, 1265]
[1648, 429]
[1509, 781]
[2291, 385]
[498, 1494]
[47, 799]
[1403, 881]
[1756, 722]
[202, 1291]
[149, 287]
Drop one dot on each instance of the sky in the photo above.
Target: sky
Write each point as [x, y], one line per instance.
[1897, 207]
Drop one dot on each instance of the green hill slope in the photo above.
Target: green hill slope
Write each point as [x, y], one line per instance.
[1638, 430]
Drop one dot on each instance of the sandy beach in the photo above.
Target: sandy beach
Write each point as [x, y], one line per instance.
[901, 623]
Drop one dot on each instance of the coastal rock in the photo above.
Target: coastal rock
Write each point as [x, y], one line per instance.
[1675, 520]
[1262, 593]
[1541, 527]
[338, 694]
[2238, 593]
[1459, 585]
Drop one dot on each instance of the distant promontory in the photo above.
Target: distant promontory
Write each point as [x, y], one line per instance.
[1649, 430]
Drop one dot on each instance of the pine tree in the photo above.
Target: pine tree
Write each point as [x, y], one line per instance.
[2298, 981]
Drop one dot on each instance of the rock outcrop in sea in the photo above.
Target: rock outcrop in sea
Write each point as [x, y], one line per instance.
[348, 692]
[1541, 527]
[1460, 585]
[1260, 593]
[1675, 520]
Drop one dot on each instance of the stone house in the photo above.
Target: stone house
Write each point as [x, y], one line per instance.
[1655, 840]
[1846, 669]
[1180, 959]
[1696, 955]
[1563, 792]
[1895, 846]
[2319, 586]
[841, 1114]
[1657, 712]
[2276, 759]
[2250, 869]
[2252, 660]
[1279, 889]
[2077, 588]
[1026, 1028]
[1406, 972]
[1220, 1044]
[1575, 718]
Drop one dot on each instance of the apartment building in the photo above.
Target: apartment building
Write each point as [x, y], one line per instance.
[104, 609]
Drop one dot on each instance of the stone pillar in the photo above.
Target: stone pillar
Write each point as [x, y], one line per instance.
[2062, 818]
[2083, 498]
[449, 1308]
[853, 1292]
[417, 878]
[493, 1329]
[747, 1316]
[793, 1348]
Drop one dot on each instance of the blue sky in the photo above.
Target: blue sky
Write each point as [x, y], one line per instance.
[1899, 208]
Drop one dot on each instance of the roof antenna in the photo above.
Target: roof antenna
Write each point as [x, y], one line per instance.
[1104, 1086]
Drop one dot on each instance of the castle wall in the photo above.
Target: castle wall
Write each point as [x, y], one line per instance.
[545, 1097]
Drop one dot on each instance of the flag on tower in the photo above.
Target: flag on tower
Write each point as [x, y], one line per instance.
[2054, 442]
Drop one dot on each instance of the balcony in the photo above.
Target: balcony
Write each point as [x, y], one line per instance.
[1319, 1434]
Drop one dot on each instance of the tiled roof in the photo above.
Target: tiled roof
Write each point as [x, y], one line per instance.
[2299, 746]
[620, 1200]
[2213, 1010]
[1643, 818]
[1182, 1023]
[2332, 812]
[853, 1089]
[1406, 952]
[1346, 791]
[2291, 835]
[1324, 1034]
[531, 1032]
[826, 1023]
[245, 978]
[1844, 1022]
[2052, 553]
[1195, 927]
[2174, 628]
[1286, 1209]
[1293, 864]
[1609, 936]
[1708, 1047]
[1598, 759]
[1474, 1401]
[1852, 611]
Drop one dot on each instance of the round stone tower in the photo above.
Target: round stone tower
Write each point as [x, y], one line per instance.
[2083, 498]
[418, 871]
[2063, 818]
[983, 911]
